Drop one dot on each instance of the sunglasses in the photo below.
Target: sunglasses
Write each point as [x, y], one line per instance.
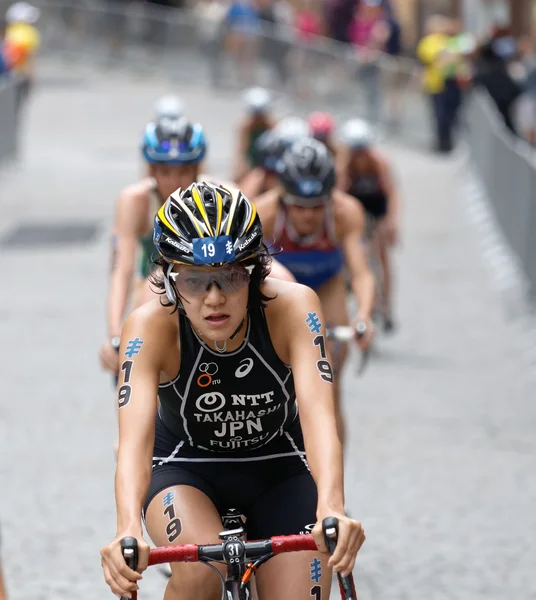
[196, 283]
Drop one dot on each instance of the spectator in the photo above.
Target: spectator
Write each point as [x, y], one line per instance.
[393, 44]
[369, 33]
[307, 26]
[243, 27]
[432, 52]
[5, 59]
[21, 43]
[307, 21]
[277, 18]
[456, 69]
[116, 17]
[525, 106]
[396, 77]
[158, 22]
[211, 18]
[491, 72]
[4, 68]
[338, 14]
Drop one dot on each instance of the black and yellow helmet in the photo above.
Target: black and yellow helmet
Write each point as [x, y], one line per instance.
[207, 224]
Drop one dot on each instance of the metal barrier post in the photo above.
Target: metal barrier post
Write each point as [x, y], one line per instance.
[9, 121]
[529, 255]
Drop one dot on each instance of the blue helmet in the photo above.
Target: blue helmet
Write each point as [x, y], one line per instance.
[173, 142]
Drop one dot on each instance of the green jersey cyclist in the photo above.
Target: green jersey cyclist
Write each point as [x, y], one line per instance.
[173, 150]
[257, 120]
[230, 354]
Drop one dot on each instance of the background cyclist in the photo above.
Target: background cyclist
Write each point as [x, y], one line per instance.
[319, 229]
[322, 127]
[257, 120]
[366, 173]
[173, 150]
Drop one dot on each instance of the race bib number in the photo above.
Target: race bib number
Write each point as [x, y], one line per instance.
[212, 250]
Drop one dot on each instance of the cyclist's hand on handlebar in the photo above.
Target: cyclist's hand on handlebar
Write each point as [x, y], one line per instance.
[363, 339]
[109, 358]
[121, 579]
[350, 539]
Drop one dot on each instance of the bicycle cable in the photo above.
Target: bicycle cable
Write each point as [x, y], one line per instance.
[252, 568]
[219, 575]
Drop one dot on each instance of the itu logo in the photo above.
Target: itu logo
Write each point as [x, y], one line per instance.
[207, 371]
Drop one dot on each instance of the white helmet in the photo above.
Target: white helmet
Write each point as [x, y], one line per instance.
[292, 129]
[169, 107]
[357, 134]
[258, 100]
[22, 12]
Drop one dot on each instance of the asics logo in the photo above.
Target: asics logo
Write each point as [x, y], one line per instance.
[245, 368]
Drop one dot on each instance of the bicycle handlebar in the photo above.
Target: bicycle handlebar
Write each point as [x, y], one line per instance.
[261, 549]
[330, 528]
[129, 548]
[194, 553]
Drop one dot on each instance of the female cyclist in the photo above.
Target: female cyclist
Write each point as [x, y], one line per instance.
[323, 128]
[229, 355]
[366, 174]
[319, 229]
[173, 150]
[257, 120]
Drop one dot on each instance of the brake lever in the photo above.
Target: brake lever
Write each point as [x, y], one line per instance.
[330, 528]
[129, 549]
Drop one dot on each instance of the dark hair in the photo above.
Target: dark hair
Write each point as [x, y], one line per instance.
[261, 263]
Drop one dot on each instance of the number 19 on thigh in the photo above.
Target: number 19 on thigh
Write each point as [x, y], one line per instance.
[174, 527]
